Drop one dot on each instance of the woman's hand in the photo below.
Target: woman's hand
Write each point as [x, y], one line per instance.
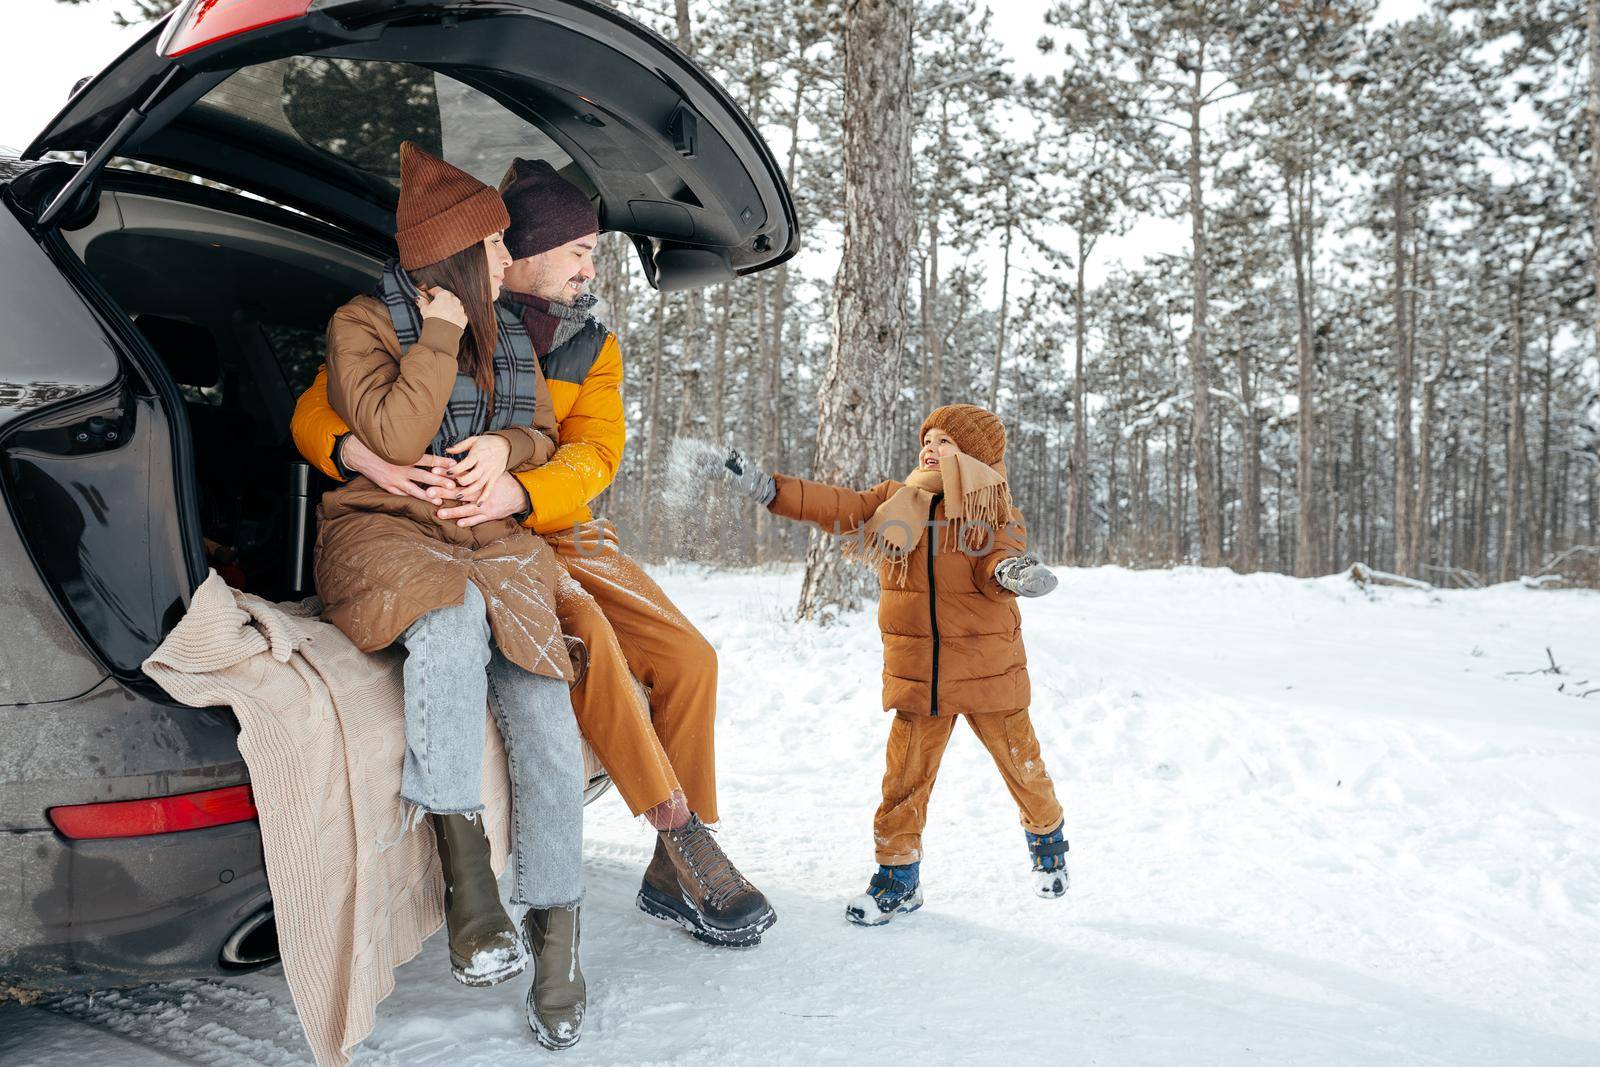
[503, 498]
[438, 303]
[485, 460]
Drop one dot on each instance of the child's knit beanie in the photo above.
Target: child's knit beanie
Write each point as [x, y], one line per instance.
[976, 431]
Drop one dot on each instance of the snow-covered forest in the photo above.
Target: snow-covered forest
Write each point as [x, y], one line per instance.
[1276, 284]
[1362, 327]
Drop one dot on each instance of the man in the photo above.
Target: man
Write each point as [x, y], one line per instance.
[659, 756]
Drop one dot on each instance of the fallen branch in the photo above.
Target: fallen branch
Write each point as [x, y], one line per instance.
[1363, 575]
[1554, 668]
[1460, 576]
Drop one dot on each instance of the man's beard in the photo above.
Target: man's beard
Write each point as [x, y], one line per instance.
[561, 293]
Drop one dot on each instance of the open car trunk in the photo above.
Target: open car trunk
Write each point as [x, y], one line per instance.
[232, 298]
[216, 301]
[309, 110]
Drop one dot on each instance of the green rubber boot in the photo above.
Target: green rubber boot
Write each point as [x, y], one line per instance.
[559, 995]
[484, 947]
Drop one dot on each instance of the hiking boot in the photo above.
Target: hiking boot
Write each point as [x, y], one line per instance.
[558, 997]
[1049, 852]
[691, 882]
[485, 949]
[892, 891]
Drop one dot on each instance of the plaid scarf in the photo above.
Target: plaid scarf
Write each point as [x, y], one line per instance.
[551, 324]
[470, 410]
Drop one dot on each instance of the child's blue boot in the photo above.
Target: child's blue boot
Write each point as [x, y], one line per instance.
[1049, 853]
[892, 891]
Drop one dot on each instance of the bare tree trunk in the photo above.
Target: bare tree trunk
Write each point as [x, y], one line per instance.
[1592, 14]
[685, 27]
[1333, 489]
[652, 431]
[1249, 526]
[1204, 477]
[719, 365]
[1541, 541]
[1111, 502]
[933, 337]
[856, 400]
[1422, 517]
[1305, 554]
[1480, 487]
[780, 308]
[1358, 461]
[768, 406]
[924, 331]
[689, 368]
[1078, 460]
[1182, 554]
[1413, 317]
[1510, 545]
[1005, 285]
[613, 286]
[1404, 375]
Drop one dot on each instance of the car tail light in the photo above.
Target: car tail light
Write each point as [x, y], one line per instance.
[157, 815]
[204, 22]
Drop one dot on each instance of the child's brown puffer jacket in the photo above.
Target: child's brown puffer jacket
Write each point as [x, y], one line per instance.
[952, 639]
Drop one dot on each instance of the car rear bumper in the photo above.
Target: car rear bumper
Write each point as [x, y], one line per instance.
[98, 914]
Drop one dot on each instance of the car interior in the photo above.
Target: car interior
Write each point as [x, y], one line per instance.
[235, 308]
[233, 294]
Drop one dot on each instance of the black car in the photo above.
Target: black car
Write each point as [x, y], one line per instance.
[163, 304]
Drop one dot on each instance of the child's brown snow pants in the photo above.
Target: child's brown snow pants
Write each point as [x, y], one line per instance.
[917, 743]
[633, 630]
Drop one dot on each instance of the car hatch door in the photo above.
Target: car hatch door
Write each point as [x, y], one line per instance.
[305, 102]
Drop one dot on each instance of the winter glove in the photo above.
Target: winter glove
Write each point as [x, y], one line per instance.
[741, 473]
[1025, 576]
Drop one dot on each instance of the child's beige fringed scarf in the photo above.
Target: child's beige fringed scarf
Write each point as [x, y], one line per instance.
[977, 506]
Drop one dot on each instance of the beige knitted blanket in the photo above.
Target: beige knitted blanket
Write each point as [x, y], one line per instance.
[322, 729]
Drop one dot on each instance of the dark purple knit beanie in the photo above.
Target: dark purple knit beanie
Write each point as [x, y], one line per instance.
[546, 210]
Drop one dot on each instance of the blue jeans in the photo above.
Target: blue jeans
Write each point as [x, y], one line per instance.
[452, 670]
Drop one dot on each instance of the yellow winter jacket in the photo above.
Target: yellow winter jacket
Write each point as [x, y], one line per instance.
[591, 433]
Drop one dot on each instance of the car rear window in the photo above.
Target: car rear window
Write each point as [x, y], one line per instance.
[358, 112]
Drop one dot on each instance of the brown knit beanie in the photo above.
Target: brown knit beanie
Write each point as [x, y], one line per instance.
[977, 432]
[547, 211]
[443, 209]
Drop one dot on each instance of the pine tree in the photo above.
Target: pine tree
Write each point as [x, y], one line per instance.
[856, 400]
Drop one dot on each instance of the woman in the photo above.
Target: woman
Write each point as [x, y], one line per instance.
[426, 364]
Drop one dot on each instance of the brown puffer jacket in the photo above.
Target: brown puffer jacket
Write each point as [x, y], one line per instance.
[384, 561]
[952, 638]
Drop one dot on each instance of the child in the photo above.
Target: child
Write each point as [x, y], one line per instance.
[948, 546]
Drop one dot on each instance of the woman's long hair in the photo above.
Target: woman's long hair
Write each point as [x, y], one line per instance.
[466, 274]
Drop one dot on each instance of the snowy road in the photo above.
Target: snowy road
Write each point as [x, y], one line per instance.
[1307, 827]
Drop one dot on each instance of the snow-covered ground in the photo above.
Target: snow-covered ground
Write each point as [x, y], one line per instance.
[1308, 826]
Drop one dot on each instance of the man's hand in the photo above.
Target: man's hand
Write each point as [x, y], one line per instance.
[504, 498]
[425, 481]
